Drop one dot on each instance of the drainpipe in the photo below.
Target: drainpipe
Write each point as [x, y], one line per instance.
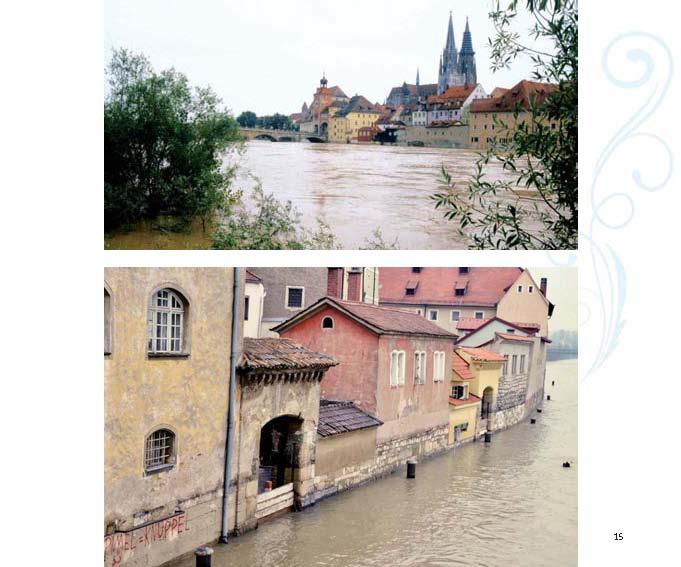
[233, 360]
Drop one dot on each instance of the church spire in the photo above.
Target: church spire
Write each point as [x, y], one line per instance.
[417, 77]
[467, 44]
[451, 44]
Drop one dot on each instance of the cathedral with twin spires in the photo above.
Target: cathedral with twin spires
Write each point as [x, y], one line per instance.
[456, 68]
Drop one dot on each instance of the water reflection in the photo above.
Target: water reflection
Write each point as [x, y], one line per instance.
[506, 503]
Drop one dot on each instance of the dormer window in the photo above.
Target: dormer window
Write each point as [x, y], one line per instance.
[463, 270]
[410, 288]
[416, 270]
[459, 291]
[520, 289]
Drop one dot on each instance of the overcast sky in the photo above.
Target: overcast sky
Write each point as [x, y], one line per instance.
[562, 292]
[268, 55]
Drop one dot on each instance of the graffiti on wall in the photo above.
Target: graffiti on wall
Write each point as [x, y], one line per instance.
[121, 545]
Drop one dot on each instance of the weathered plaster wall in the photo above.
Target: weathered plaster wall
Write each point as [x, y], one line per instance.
[444, 313]
[389, 456]
[410, 408]
[354, 347]
[186, 394]
[525, 307]
[463, 414]
[513, 387]
[275, 281]
[258, 404]
[345, 450]
[487, 333]
[256, 297]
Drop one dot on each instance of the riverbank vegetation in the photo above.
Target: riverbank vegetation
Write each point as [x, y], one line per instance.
[249, 119]
[164, 143]
[540, 154]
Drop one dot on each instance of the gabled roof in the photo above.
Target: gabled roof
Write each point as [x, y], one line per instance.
[380, 320]
[516, 338]
[342, 417]
[457, 94]
[470, 323]
[281, 354]
[337, 91]
[484, 286]
[252, 278]
[474, 325]
[520, 94]
[461, 367]
[358, 103]
[482, 355]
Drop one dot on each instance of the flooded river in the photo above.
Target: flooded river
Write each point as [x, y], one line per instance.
[506, 503]
[353, 188]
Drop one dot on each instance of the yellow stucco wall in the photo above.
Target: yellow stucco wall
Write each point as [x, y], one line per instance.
[481, 125]
[185, 394]
[463, 414]
[343, 128]
[525, 307]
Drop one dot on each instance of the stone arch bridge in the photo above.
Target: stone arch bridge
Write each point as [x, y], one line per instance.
[271, 135]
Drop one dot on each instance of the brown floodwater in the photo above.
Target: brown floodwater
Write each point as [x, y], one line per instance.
[353, 188]
[509, 502]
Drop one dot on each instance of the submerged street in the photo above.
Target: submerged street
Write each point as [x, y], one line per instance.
[506, 503]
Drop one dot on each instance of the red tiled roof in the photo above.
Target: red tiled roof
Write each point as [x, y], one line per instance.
[517, 338]
[461, 367]
[281, 354]
[470, 323]
[520, 94]
[533, 326]
[480, 354]
[380, 320]
[453, 94]
[342, 417]
[485, 286]
[472, 399]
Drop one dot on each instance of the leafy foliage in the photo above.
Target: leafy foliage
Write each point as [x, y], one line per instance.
[540, 154]
[164, 144]
[247, 119]
[271, 225]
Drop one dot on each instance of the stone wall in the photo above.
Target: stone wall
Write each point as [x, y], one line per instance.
[512, 389]
[444, 137]
[511, 415]
[389, 456]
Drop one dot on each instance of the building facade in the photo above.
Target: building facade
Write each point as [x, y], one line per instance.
[168, 330]
[314, 119]
[346, 123]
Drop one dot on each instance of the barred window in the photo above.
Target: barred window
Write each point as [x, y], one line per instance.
[159, 450]
[438, 366]
[165, 322]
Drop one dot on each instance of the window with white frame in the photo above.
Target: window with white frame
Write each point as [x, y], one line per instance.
[327, 323]
[295, 297]
[165, 323]
[460, 391]
[420, 367]
[456, 315]
[397, 359]
[438, 366]
[522, 363]
[530, 289]
[514, 364]
[159, 450]
[432, 314]
[520, 289]
[504, 368]
[479, 315]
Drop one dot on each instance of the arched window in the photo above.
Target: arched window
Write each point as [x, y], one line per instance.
[159, 450]
[165, 322]
[327, 323]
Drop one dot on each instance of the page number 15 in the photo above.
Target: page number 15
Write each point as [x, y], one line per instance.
[618, 536]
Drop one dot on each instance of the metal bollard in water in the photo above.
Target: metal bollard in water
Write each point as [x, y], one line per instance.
[538, 410]
[553, 382]
[488, 436]
[548, 398]
[533, 420]
[204, 556]
[411, 468]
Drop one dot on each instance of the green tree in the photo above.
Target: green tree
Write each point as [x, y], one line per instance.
[247, 119]
[164, 143]
[536, 156]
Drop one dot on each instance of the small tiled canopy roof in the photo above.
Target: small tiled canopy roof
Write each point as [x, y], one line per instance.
[517, 338]
[480, 354]
[380, 320]
[470, 323]
[281, 354]
[461, 367]
[252, 278]
[342, 417]
[472, 399]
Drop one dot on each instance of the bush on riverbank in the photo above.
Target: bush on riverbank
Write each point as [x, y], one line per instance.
[164, 143]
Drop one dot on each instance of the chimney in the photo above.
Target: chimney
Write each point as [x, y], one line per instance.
[355, 284]
[542, 286]
[334, 283]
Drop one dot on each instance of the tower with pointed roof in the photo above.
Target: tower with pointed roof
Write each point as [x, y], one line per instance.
[467, 58]
[456, 67]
